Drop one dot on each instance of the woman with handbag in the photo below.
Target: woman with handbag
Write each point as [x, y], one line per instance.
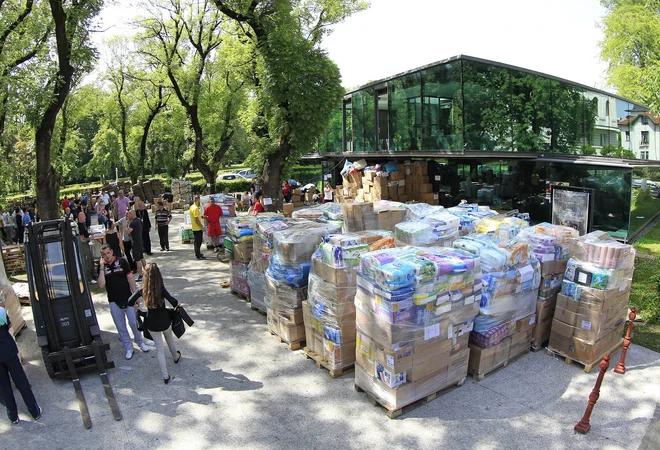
[158, 319]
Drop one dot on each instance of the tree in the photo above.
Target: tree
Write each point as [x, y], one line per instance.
[296, 84]
[72, 22]
[631, 48]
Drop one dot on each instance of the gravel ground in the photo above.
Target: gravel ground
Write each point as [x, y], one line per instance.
[238, 387]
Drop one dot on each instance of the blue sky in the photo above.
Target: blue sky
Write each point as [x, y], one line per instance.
[558, 37]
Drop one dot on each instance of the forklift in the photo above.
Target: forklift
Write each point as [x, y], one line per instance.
[64, 317]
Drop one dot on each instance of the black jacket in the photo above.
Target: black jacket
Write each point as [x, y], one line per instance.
[143, 215]
[158, 319]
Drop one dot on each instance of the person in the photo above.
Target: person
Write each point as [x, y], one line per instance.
[86, 250]
[168, 200]
[113, 239]
[131, 199]
[115, 277]
[105, 199]
[135, 230]
[64, 204]
[76, 208]
[9, 226]
[143, 215]
[127, 242]
[19, 226]
[254, 186]
[27, 217]
[286, 190]
[12, 369]
[257, 207]
[121, 205]
[197, 227]
[163, 219]
[158, 320]
[3, 228]
[213, 213]
[68, 214]
[327, 193]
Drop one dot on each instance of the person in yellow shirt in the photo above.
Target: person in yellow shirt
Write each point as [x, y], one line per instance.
[197, 226]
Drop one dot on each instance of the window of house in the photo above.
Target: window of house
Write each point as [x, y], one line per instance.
[607, 108]
[602, 140]
[645, 120]
[644, 154]
[645, 138]
[627, 136]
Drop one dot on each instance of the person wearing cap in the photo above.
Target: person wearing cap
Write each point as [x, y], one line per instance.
[163, 219]
[197, 226]
[213, 213]
[11, 369]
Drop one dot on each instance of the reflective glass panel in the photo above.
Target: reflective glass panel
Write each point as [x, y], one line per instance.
[405, 112]
[442, 121]
[364, 120]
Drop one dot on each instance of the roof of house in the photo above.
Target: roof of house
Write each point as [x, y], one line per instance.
[655, 118]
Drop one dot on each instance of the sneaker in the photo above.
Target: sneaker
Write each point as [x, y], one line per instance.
[217, 249]
[93, 282]
[129, 354]
[144, 347]
[139, 278]
[15, 421]
[39, 411]
[167, 249]
[162, 249]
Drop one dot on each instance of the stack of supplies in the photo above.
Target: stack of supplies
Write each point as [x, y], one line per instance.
[359, 217]
[414, 310]
[470, 215]
[502, 226]
[238, 278]
[287, 277]
[239, 238]
[550, 245]
[511, 277]
[593, 303]
[329, 313]
[439, 229]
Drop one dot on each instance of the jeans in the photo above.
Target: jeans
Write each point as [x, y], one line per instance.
[157, 337]
[14, 369]
[198, 242]
[119, 317]
[163, 236]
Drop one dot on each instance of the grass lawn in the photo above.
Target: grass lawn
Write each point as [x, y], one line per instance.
[646, 210]
[644, 295]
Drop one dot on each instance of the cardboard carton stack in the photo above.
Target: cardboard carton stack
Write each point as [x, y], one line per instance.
[414, 310]
[511, 277]
[287, 277]
[182, 192]
[439, 229]
[329, 312]
[593, 303]
[238, 247]
[550, 245]
[238, 278]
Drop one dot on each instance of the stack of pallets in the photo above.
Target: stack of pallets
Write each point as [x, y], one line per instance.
[14, 259]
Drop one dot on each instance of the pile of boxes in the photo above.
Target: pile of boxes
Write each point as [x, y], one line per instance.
[182, 191]
[329, 312]
[593, 303]
[551, 245]
[238, 247]
[287, 276]
[414, 310]
[366, 216]
[396, 182]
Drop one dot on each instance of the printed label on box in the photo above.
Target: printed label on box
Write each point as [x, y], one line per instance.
[432, 331]
[582, 278]
[586, 325]
[390, 360]
[436, 196]
[438, 178]
[532, 321]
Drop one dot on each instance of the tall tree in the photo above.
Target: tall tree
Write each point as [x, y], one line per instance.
[72, 23]
[631, 48]
[296, 84]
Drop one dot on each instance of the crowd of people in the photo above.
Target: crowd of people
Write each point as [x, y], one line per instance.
[13, 223]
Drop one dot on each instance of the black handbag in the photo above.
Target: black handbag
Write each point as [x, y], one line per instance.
[179, 320]
[141, 324]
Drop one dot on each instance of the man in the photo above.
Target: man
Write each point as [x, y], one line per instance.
[197, 227]
[9, 226]
[213, 213]
[121, 205]
[115, 277]
[3, 228]
[88, 259]
[127, 242]
[168, 199]
[143, 215]
[135, 230]
[105, 199]
[163, 219]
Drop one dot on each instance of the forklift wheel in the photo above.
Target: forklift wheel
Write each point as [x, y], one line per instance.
[50, 368]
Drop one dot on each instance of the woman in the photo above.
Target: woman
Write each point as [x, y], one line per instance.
[113, 240]
[257, 207]
[286, 190]
[158, 320]
[327, 196]
[99, 210]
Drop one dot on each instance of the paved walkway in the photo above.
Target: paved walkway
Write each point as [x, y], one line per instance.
[238, 387]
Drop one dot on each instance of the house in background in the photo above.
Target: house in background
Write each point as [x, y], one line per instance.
[640, 133]
[606, 128]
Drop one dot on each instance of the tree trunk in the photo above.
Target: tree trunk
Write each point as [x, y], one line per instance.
[198, 161]
[143, 142]
[65, 126]
[272, 188]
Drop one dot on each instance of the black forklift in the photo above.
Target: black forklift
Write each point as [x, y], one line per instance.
[64, 317]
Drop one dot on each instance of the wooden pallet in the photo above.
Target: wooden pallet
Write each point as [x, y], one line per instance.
[241, 295]
[254, 308]
[393, 413]
[292, 345]
[24, 301]
[479, 376]
[321, 363]
[588, 367]
[186, 241]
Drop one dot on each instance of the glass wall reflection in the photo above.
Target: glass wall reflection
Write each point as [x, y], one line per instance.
[442, 119]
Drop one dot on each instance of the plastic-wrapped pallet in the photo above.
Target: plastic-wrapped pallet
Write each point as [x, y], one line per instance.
[419, 210]
[593, 303]
[329, 313]
[551, 245]
[438, 229]
[471, 215]
[287, 277]
[502, 226]
[238, 278]
[238, 240]
[414, 310]
[359, 216]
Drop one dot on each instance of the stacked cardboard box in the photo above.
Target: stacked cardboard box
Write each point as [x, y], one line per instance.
[593, 304]
[359, 216]
[550, 245]
[239, 240]
[414, 310]
[439, 229]
[182, 191]
[238, 278]
[329, 313]
[287, 277]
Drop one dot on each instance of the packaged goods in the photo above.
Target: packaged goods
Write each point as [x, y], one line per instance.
[502, 226]
[257, 286]
[346, 249]
[238, 278]
[437, 229]
[359, 217]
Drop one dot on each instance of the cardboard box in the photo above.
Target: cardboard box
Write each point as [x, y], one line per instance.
[370, 175]
[483, 360]
[339, 355]
[550, 285]
[526, 324]
[425, 188]
[243, 251]
[404, 198]
[288, 209]
[437, 365]
[583, 351]
[520, 343]
[396, 361]
[396, 176]
[401, 190]
[393, 191]
[544, 314]
[387, 220]
[566, 316]
[394, 398]
[553, 267]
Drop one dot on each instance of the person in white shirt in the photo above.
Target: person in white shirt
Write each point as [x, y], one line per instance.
[327, 193]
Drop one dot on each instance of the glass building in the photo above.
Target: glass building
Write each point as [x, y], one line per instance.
[499, 135]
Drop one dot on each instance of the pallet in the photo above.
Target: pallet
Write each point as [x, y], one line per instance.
[254, 308]
[186, 241]
[292, 345]
[481, 375]
[25, 301]
[321, 363]
[393, 413]
[241, 295]
[588, 367]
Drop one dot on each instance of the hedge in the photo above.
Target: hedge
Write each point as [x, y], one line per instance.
[199, 186]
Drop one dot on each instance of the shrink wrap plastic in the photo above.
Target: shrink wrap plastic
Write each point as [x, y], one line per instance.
[437, 229]
[241, 228]
[238, 278]
[550, 242]
[257, 286]
[501, 226]
[419, 210]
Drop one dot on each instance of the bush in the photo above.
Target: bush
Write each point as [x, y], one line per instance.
[608, 150]
[587, 150]
[199, 186]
